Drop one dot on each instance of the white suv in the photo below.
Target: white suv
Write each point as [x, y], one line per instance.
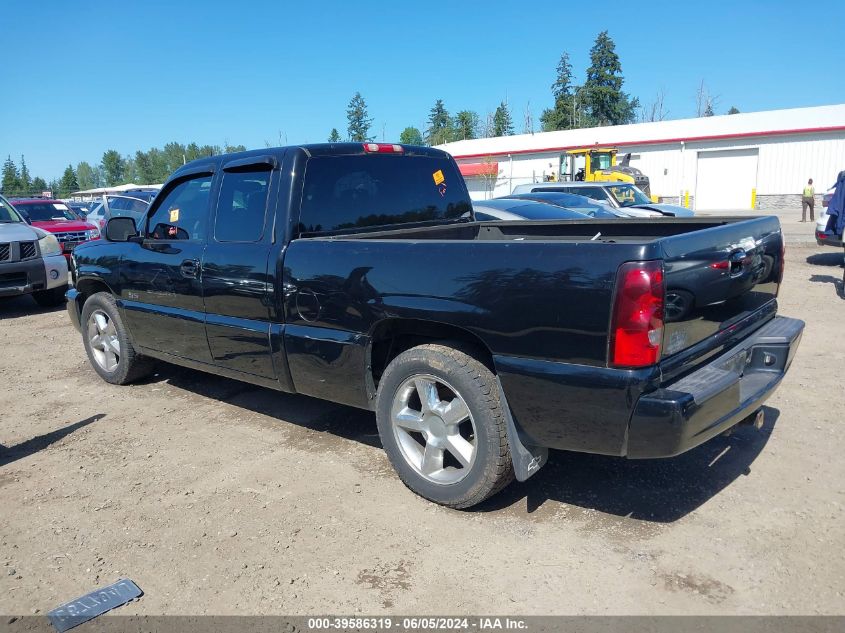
[31, 260]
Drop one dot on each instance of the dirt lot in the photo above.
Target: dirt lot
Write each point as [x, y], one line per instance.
[219, 497]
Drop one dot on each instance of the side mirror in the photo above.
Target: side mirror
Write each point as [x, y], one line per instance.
[120, 229]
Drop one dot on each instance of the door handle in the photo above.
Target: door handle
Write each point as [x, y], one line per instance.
[738, 258]
[189, 268]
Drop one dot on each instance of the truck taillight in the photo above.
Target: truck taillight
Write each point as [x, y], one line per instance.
[782, 262]
[383, 148]
[636, 329]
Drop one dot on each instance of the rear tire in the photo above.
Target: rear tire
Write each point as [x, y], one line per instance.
[442, 426]
[107, 343]
[50, 298]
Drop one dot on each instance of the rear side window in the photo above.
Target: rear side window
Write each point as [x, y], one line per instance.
[183, 211]
[348, 192]
[242, 206]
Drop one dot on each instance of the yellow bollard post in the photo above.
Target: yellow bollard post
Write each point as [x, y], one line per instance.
[753, 199]
[686, 198]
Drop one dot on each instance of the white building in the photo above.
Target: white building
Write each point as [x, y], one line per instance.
[720, 162]
[93, 194]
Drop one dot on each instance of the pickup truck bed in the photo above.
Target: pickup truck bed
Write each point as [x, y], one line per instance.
[369, 283]
[541, 303]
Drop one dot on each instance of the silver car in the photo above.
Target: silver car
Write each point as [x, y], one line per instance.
[31, 260]
[619, 195]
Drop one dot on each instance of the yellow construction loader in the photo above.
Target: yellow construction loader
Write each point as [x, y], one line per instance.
[598, 164]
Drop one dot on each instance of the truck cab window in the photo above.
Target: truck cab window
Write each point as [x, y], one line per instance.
[182, 213]
[242, 206]
[346, 192]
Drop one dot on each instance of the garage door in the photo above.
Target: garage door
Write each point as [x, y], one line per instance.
[724, 179]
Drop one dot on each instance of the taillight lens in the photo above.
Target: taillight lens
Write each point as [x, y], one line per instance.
[782, 262]
[636, 330]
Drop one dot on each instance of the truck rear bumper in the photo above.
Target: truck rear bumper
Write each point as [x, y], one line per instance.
[714, 398]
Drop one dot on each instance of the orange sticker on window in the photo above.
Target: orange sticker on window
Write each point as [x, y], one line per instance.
[174, 215]
[438, 177]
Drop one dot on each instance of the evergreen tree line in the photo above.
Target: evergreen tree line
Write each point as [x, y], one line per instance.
[596, 101]
[141, 168]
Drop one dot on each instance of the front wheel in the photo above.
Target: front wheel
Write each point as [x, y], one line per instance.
[107, 342]
[441, 423]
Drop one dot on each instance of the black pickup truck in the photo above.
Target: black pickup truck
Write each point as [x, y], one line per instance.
[356, 273]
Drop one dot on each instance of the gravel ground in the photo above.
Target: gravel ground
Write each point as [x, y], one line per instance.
[224, 498]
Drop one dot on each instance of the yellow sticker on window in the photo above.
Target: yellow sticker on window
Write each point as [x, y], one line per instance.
[174, 215]
[438, 177]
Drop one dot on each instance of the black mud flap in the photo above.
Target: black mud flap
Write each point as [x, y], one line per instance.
[527, 460]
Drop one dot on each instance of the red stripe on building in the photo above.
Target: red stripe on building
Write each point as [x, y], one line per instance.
[662, 141]
[479, 169]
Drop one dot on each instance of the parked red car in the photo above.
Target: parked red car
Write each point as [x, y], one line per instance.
[54, 216]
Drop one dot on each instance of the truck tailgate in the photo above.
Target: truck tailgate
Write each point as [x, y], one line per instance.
[721, 283]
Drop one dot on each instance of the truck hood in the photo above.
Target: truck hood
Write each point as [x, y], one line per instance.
[19, 232]
[64, 226]
[666, 209]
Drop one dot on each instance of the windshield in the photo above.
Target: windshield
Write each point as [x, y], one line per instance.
[628, 195]
[47, 211]
[601, 160]
[8, 213]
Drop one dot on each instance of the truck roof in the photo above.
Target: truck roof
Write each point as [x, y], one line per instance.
[310, 149]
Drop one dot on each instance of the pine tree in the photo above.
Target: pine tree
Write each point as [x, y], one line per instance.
[733, 110]
[411, 136]
[11, 183]
[359, 122]
[502, 123]
[88, 176]
[708, 110]
[39, 185]
[68, 184]
[113, 168]
[24, 179]
[466, 125]
[606, 103]
[562, 115]
[143, 169]
[334, 137]
[174, 156]
[439, 125]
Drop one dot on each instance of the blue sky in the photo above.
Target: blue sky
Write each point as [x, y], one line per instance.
[82, 77]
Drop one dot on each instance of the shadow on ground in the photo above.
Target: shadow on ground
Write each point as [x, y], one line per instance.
[659, 491]
[9, 454]
[838, 283]
[833, 258]
[306, 412]
[13, 307]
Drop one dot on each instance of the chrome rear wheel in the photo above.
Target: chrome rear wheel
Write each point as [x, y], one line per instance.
[434, 429]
